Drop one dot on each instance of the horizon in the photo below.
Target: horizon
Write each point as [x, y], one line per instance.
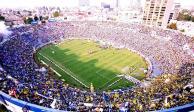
[74, 3]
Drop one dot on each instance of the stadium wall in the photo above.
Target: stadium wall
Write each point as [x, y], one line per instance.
[16, 105]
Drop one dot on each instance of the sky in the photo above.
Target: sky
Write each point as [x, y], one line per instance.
[69, 3]
[186, 3]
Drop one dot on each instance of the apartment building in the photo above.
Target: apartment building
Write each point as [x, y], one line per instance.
[157, 12]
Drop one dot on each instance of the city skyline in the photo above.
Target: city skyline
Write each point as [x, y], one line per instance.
[72, 3]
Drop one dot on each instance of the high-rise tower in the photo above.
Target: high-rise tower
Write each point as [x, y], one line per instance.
[157, 12]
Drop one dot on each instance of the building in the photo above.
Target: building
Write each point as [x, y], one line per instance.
[117, 3]
[134, 4]
[157, 12]
[186, 26]
[174, 12]
[84, 3]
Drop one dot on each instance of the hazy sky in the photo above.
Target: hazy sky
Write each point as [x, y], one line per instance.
[186, 3]
[70, 3]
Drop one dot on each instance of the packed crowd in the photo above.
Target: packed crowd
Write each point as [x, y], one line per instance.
[1, 38]
[21, 78]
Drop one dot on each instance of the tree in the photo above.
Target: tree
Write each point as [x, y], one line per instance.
[46, 18]
[43, 21]
[192, 18]
[172, 26]
[183, 30]
[18, 12]
[2, 18]
[56, 14]
[28, 20]
[29, 13]
[35, 18]
[187, 17]
[40, 17]
[184, 15]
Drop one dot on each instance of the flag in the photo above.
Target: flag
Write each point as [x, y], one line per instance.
[53, 103]
[105, 97]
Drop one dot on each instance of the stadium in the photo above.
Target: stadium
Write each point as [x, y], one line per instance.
[96, 66]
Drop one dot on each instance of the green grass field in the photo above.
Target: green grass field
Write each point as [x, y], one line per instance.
[82, 62]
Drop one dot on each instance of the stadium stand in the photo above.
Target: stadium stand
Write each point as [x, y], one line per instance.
[172, 68]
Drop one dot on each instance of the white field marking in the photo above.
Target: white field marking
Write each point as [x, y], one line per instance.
[132, 79]
[83, 55]
[114, 82]
[51, 68]
[107, 82]
[85, 58]
[114, 62]
[65, 71]
[78, 48]
[56, 72]
[43, 62]
[109, 65]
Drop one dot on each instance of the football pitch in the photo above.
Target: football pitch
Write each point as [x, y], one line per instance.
[82, 62]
